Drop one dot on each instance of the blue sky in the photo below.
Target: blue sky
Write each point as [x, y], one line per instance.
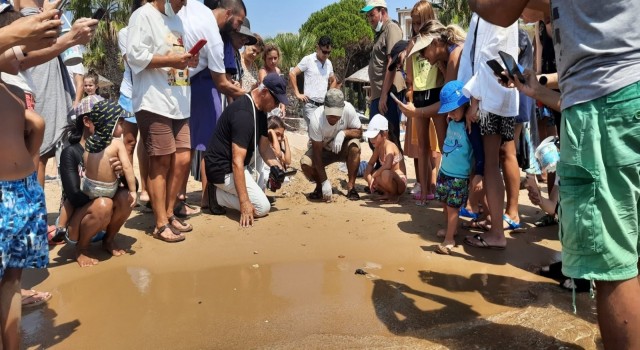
[270, 17]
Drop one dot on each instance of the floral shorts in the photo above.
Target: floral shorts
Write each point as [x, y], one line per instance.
[23, 225]
[452, 191]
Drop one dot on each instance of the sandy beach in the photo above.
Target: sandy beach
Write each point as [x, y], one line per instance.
[289, 283]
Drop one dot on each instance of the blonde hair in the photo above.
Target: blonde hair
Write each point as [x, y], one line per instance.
[451, 34]
[424, 10]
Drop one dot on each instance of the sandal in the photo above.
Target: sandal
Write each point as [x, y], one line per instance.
[353, 195]
[464, 212]
[157, 234]
[180, 210]
[546, 220]
[514, 227]
[55, 235]
[315, 195]
[186, 227]
[34, 298]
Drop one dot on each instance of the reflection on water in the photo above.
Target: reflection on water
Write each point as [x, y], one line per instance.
[248, 307]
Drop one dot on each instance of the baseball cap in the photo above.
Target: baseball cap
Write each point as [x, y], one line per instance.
[245, 30]
[422, 41]
[451, 96]
[334, 102]
[371, 4]
[104, 115]
[395, 53]
[376, 124]
[86, 104]
[278, 87]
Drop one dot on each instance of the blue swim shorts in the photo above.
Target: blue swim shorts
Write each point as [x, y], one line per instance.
[23, 225]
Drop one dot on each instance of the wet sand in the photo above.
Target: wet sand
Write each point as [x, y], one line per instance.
[289, 283]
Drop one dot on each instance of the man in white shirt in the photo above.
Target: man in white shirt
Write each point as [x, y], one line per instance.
[318, 76]
[334, 131]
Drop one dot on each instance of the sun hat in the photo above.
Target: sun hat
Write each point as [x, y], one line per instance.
[104, 115]
[451, 96]
[376, 124]
[422, 42]
[278, 87]
[395, 53]
[245, 29]
[86, 104]
[334, 102]
[371, 4]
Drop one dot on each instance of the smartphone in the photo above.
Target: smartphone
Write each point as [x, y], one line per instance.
[497, 70]
[395, 98]
[513, 69]
[194, 50]
[62, 5]
[290, 172]
[99, 14]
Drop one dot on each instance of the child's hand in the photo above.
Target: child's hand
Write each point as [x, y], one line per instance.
[132, 199]
[476, 183]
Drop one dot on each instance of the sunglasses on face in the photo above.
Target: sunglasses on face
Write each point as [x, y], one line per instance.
[326, 52]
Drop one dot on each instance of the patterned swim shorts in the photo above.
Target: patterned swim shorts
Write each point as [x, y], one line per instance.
[493, 124]
[23, 225]
[452, 191]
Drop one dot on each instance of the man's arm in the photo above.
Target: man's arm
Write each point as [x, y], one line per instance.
[238, 154]
[266, 152]
[293, 78]
[509, 11]
[226, 86]
[78, 80]
[317, 147]
[352, 133]
[389, 76]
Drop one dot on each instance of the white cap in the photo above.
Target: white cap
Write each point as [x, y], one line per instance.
[371, 4]
[376, 124]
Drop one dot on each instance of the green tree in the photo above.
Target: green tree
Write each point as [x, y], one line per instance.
[454, 12]
[342, 21]
[103, 54]
[293, 47]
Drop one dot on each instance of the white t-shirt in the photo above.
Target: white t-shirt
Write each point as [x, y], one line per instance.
[316, 76]
[199, 23]
[126, 88]
[321, 130]
[163, 91]
[480, 82]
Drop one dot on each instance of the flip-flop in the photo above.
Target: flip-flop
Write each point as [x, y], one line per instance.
[514, 227]
[35, 298]
[481, 243]
[353, 195]
[464, 212]
[315, 195]
[157, 234]
[546, 220]
[444, 249]
[474, 224]
[55, 236]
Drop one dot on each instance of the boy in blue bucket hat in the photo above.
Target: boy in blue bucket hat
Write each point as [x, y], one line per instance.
[461, 145]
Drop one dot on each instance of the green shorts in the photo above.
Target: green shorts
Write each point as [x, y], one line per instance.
[599, 174]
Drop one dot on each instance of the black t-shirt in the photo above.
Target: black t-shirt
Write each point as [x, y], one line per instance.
[234, 126]
[548, 51]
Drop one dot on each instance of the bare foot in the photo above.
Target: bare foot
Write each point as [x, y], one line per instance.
[144, 197]
[112, 248]
[84, 260]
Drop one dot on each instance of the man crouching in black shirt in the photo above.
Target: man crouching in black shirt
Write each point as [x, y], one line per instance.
[242, 125]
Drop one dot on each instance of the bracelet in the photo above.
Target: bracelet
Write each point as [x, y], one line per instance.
[17, 51]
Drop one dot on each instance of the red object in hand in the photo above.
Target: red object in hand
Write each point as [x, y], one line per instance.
[194, 50]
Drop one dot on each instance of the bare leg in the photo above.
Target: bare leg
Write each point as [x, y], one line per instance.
[159, 171]
[143, 164]
[511, 173]
[175, 182]
[452, 225]
[120, 214]
[436, 158]
[494, 188]
[85, 223]
[353, 161]
[619, 313]
[130, 138]
[10, 308]
[205, 182]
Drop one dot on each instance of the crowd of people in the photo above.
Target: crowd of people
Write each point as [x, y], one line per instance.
[472, 127]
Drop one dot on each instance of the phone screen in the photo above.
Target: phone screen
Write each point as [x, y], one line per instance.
[99, 14]
[512, 66]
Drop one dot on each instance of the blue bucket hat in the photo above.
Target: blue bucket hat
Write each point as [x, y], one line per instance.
[451, 96]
